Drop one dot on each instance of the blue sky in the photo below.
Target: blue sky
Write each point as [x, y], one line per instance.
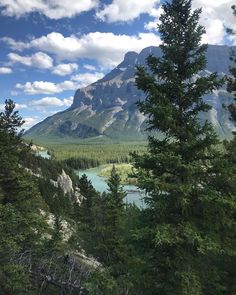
[50, 48]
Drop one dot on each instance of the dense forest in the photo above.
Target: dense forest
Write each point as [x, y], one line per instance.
[84, 156]
[60, 236]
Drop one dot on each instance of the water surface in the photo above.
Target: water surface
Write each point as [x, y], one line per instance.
[134, 195]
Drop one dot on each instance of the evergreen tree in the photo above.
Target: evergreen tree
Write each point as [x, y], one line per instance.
[181, 237]
[231, 86]
[89, 198]
[85, 215]
[112, 248]
[114, 208]
[21, 223]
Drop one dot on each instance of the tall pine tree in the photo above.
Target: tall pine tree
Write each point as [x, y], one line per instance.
[181, 237]
[22, 226]
[231, 86]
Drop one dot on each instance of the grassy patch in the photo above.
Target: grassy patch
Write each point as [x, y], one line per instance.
[124, 170]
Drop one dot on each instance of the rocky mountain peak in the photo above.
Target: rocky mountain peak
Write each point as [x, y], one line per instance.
[107, 108]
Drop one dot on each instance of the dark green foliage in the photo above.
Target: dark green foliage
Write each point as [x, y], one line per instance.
[181, 238]
[85, 216]
[81, 163]
[102, 234]
[90, 195]
[22, 225]
[113, 218]
[47, 168]
[32, 252]
[231, 86]
[45, 172]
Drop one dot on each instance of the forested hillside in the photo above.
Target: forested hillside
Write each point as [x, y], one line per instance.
[58, 235]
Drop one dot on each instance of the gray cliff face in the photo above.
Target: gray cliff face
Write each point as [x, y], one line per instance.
[108, 107]
[65, 183]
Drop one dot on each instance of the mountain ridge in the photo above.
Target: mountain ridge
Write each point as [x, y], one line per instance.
[107, 108]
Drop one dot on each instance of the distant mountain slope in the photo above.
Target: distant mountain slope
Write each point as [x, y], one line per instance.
[107, 108]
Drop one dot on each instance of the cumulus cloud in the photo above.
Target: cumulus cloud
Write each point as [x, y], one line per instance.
[17, 45]
[50, 8]
[87, 78]
[123, 10]
[30, 121]
[5, 70]
[215, 17]
[107, 48]
[89, 67]
[44, 87]
[47, 101]
[39, 60]
[152, 25]
[65, 69]
[68, 101]
[52, 101]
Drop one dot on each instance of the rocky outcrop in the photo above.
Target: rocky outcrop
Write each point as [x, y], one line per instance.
[107, 108]
[65, 183]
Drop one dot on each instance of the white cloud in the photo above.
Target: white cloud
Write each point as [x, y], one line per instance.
[107, 48]
[68, 101]
[125, 10]
[87, 78]
[38, 87]
[30, 121]
[215, 17]
[89, 67]
[50, 8]
[17, 45]
[4, 70]
[65, 69]
[215, 32]
[152, 25]
[49, 101]
[20, 106]
[44, 87]
[39, 60]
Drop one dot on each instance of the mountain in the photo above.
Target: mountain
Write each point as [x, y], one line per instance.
[107, 108]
